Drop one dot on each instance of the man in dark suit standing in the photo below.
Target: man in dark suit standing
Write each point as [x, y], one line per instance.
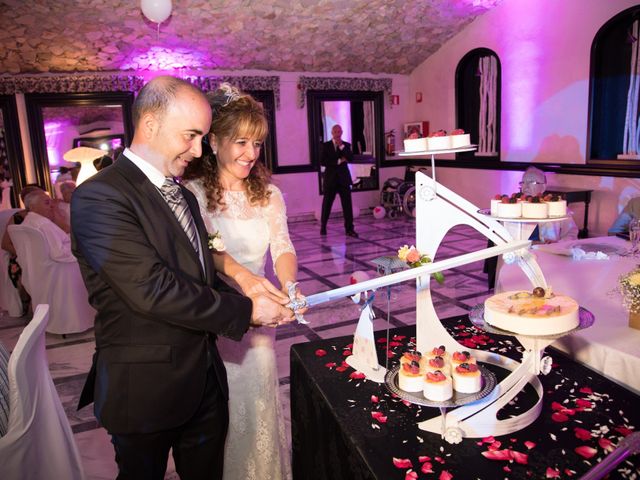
[157, 380]
[337, 180]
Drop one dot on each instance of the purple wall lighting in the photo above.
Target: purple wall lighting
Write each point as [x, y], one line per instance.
[160, 58]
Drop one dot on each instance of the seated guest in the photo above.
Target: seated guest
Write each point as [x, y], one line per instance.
[14, 269]
[630, 211]
[41, 214]
[63, 210]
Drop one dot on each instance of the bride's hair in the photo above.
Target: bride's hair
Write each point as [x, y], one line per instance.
[235, 115]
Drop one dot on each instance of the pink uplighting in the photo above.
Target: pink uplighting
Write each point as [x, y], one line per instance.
[159, 58]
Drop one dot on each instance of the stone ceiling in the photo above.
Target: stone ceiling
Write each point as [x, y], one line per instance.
[377, 36]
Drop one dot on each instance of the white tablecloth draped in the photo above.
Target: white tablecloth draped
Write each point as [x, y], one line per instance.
[610, 346]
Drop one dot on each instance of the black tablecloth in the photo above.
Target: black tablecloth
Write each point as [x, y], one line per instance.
[347, 427]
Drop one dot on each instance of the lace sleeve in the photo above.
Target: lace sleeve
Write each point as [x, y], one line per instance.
[276, 214]
[197, 189]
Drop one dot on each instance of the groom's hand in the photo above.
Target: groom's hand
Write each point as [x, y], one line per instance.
[268, 312]
[252, 285]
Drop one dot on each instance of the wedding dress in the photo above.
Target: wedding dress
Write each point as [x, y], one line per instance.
[256, 446]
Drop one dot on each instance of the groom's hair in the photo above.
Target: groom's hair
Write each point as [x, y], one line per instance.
[156, 96]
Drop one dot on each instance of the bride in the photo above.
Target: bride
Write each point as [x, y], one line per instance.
[237, 200]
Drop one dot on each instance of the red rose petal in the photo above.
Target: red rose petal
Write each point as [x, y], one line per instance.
[411, 475]
[569, 473]
[341, 368]
[506, 469]
[582, 403]
[586, 451]
[489, 439]
[495, 445]
[497, 455]
[552, 473]
[606, 444]
[320, 353]
[330, 364]
[357, 375]
[402, 462]
[444, 475]
[519, 457]
[624, 431]
[374, 399]
[439, 459]
[559, 417]
[346, 353]
[382, 340]
[586, 390]
[556, 406]
[395, 344]
[390, 354]
[423, 458]
[582, 434]
[406, 402]
[427, 467]
[398, 338]
[529, 444]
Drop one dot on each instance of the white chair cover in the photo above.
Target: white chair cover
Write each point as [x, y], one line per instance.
[58, 284]
[9, 295]
[39, 443]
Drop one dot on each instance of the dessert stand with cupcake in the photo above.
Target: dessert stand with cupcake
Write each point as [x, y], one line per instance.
[463, 415]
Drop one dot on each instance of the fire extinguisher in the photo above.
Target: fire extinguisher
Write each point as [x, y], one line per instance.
[391, 142]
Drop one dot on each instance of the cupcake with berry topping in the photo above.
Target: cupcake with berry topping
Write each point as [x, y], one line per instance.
[440, 351]
[459, 358]
[467, 378]
[437, 363]
[439, 141]
[459, 139]
[534, 207]
[410, 377]
[495, 201]
[556, 204]
[413, 356]
[437, 386]
[510, 208]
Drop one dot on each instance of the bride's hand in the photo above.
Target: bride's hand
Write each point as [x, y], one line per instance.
[299, 296]
[252, 285]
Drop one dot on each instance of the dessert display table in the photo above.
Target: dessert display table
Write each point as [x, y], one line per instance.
[347, 427]
[610, 347]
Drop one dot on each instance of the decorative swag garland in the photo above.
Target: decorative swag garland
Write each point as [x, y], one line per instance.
[342, 83]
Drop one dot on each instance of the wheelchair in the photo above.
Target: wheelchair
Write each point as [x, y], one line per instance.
[398, 197]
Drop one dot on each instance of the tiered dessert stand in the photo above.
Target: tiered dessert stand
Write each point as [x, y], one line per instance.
[439, 209]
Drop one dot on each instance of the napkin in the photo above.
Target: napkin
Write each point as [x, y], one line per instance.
[579, 254]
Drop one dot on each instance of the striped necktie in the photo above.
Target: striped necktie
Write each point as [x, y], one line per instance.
[173, 195]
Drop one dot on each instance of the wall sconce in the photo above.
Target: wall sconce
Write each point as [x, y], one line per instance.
[395, 99]
[418, 97]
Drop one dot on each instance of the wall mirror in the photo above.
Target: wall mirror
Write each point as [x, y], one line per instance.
[361, 116]
[60, 122]
[11, 159]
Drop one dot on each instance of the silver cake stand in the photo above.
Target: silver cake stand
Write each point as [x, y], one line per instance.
[458, 399]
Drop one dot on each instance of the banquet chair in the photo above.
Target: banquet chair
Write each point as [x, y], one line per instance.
[9, 295]
[39, 442]
[55, 283]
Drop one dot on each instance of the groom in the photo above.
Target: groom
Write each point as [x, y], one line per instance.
[157, 379]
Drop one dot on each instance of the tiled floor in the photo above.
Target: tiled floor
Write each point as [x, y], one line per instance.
[325, 263]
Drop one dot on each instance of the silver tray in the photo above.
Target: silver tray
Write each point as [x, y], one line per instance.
[476, 315]
[489, 382]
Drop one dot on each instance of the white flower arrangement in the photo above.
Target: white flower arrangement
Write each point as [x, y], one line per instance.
[215, 242]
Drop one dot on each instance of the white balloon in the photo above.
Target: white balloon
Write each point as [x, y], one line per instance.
[379, 212]
[358, 276]
[156, 10]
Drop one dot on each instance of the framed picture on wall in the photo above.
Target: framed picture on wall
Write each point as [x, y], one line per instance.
[416, 129]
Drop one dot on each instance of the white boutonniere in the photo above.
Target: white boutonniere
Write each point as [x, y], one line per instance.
[215, 242]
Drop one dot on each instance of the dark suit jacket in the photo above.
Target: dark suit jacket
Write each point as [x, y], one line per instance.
[336, 175]
[158, 312]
